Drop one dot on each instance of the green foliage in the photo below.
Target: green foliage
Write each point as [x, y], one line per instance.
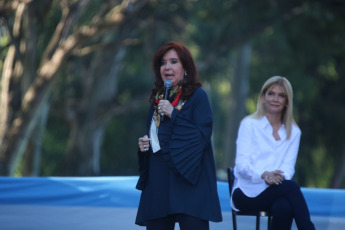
[301, 40]
[119, 152]
[306, 50]
[53, 145]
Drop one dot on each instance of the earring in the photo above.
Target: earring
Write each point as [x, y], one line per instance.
[185, 74]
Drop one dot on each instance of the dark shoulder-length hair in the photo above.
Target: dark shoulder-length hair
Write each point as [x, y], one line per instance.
[190, 81]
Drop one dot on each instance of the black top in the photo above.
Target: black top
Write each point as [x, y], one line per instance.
[181, 177]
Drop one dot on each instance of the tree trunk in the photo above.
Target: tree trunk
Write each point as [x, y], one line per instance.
[339, 173]
[32, 157]
[239, 93]
[29, 42]
[11, 90]
[15, 139]
[88, 122]
[15, 136]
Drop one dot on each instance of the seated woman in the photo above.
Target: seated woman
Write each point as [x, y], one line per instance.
[267, 147]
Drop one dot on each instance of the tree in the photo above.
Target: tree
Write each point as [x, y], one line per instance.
[86, 66]
[95, 37]
[18, 126]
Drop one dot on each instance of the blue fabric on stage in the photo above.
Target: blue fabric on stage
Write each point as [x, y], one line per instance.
[70, 191]
[121, 192]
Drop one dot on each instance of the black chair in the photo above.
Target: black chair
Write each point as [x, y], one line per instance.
[258, 214]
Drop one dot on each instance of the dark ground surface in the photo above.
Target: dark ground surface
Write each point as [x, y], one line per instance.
[34, 217]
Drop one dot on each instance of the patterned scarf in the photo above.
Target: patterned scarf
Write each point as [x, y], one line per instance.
[174, 98]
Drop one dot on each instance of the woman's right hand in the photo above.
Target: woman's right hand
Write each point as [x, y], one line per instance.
[273, 177]
[144, 143]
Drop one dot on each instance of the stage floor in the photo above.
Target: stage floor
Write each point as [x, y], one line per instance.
[31, 217]
[110, 203]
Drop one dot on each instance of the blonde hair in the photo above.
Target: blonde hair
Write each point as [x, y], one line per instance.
[287, 114]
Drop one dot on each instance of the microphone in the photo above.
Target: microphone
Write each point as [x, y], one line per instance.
[167, 86]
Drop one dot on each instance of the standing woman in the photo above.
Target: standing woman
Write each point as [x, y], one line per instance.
[176, 164]
[267, 148]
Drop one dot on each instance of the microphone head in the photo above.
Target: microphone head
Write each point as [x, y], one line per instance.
[167, 83]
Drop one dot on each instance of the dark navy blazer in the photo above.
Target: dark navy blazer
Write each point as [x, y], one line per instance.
[181, 177]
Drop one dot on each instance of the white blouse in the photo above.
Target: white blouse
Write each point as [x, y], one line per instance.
[154, 136]
[258, 151]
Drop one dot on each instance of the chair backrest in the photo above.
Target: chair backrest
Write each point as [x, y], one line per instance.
[231, 178]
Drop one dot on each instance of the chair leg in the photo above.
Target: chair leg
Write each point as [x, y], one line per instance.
[234, 223]
[257, 222]
[269, 223]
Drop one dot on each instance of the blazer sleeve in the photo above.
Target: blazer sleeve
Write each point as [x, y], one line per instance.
[187, 136]
[144, 159]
